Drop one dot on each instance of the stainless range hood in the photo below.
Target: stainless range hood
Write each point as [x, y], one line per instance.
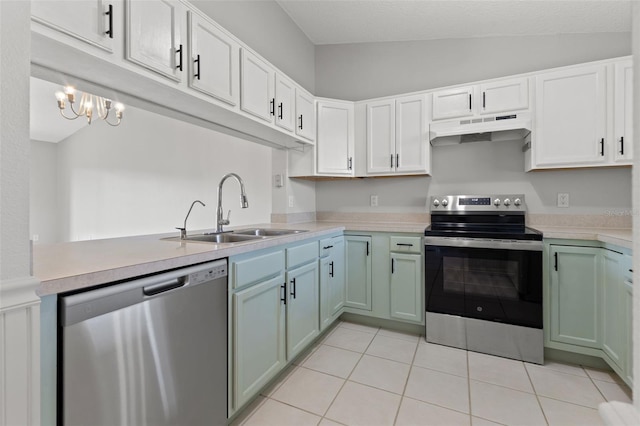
[490, 128]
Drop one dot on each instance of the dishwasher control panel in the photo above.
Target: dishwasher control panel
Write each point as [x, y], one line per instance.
[209, 274]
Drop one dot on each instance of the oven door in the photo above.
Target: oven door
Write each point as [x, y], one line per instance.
[494, 280]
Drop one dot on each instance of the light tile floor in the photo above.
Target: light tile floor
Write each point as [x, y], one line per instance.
[360, 375]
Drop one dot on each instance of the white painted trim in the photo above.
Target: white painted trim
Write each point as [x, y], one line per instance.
[18, 292]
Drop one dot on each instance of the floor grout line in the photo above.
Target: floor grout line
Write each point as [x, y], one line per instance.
[533, 386]
[406, 383]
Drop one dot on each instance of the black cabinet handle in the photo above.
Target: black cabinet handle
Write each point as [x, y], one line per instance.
[293, 287]
[397, 160]
[630, 270]
[602, 147]
[469, 101]
[300, 127]
[280, 111]
[272, 106]
[197, 62]
[179, 52]
[392, 265]
[350, 163]
[327, 247]
[392, 161]
[284, 293]
[109, 13]
[621, 145]
[331, 269]
[367, 248]
[484, 99]
[404, 244]
[555, 264]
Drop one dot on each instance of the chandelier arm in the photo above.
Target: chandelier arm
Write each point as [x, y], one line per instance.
[68, 118]
[73, 110]
[111, 124]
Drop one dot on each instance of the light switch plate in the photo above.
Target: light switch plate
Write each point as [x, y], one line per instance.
[374, 201]
[563, 199]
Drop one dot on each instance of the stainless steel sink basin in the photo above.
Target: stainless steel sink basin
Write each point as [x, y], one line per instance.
[226, 237]
[267, 232]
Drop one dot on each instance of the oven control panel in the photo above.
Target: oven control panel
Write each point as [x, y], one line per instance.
[478, 203]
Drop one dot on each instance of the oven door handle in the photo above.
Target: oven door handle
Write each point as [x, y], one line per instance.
[482, 243]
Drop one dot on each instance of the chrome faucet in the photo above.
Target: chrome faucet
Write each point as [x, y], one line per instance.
[220, 221]
[183, 230]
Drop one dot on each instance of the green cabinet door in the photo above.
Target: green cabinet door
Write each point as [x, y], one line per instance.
[575, 295]
[258, 337]
[358, 272]
[628, 327]
[302, 307]
[406, 287]
[332, 280]
[613, 307]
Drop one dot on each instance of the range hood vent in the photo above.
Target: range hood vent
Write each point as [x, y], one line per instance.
[493, 128]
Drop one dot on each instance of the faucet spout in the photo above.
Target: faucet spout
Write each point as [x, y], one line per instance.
[244, 203]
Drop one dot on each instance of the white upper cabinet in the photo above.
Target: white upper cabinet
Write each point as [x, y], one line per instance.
[256, 86]
[397, 136]
[214, 60]
[93, 21]
[453, 103]
[622, 109]
[155, 38]
[486, 98]
[305, 115]
[381, 136]
[285, 102]
[571, 117]
[503, 96]
[335, 142]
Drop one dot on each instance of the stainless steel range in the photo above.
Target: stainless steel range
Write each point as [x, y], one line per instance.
[483, 276]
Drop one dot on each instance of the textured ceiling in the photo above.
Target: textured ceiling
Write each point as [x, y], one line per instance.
[358, 21]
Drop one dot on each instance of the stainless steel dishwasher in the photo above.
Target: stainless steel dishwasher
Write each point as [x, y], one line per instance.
[151, 351]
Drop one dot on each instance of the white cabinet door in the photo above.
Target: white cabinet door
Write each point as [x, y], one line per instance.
[154, 36]
[305, 115]
[214, 60]
[571, 114]
[504, 96]
[453, 103]
[285, 102]
[623, 112]
[335, 143]
[92, 21]
[256, 86]
[381, 136]
[413, 152]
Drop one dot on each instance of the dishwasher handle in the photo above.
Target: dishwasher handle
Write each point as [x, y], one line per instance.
[163, 287]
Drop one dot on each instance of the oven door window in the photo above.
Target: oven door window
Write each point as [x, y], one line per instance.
[495, 285]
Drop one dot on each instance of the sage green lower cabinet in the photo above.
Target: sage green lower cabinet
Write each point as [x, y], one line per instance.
[302, 307]
[614, 339]
[575, 295]
[406, 287]
[332, 280]
[358, 272]
[590, 296]
[258, 337]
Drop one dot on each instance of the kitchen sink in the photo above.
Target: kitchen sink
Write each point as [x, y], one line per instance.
[226, 237]
[267, 232]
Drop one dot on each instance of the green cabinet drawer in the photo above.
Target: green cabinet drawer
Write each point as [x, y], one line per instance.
[405, 244]
[257, 268]
[304, 253]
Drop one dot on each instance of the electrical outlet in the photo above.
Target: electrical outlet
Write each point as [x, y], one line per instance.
[563, 199]
[374, 201]
[290, 200]
[278, 181]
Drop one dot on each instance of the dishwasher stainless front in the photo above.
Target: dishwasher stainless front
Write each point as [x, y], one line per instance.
[151, 351]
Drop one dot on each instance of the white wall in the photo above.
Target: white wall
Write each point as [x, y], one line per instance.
[43, 189]
[484, 167]
[368, 70]
[141, 178]
[265, 27]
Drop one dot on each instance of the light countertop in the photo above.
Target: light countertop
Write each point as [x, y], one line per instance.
[71, 266]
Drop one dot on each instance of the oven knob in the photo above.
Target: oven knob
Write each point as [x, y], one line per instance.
[517, 202]
[507, 202]
[445, 202]
[496, 202]
[436, 203]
